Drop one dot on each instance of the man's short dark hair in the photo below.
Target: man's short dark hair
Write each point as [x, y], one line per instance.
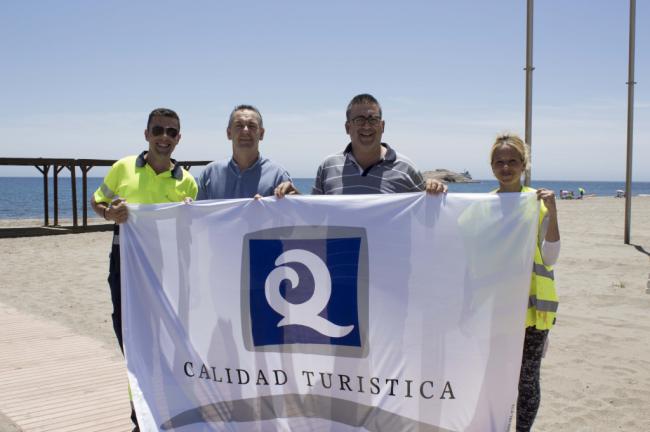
[242, 108]
[363, 98]
[165, 112]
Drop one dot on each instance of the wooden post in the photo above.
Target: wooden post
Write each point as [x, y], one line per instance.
[73, 180]
[55, 194]
[55, 172]
[46, 215]
[84, 185]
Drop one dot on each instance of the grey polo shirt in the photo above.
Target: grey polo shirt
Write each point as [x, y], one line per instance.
[224, 179]
[340, 174]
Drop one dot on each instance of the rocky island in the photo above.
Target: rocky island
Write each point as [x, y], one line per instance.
[448, 176]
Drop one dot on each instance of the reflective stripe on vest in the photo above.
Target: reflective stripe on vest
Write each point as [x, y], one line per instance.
[540, 270]
[108, 193]
[542, 305]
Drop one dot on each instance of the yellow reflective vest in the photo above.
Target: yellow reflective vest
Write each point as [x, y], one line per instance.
[542, 297]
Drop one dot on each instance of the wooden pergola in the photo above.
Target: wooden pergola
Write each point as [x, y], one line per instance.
[57, 165]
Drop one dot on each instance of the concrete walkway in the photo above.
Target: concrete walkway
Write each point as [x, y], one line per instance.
[52, 379]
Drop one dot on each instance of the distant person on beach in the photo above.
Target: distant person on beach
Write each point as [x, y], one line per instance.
[246, 174]
[149, 178]
[367, 165]
[509, 159]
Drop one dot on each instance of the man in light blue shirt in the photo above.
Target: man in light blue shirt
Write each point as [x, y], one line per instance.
[246, 174]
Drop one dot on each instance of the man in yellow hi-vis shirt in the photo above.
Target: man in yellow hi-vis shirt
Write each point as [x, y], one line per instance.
[151, 177]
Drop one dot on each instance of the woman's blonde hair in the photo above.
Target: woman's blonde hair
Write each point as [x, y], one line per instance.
[513, 140]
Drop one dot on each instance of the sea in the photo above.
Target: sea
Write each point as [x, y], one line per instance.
[22, 197]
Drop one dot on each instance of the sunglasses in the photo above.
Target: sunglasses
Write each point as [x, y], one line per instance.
[159, 130]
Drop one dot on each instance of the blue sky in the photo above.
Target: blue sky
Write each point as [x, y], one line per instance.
[79, 78]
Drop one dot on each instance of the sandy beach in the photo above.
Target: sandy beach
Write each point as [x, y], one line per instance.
[596, 374]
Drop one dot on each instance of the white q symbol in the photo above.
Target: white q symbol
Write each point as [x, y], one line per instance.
[305, 313]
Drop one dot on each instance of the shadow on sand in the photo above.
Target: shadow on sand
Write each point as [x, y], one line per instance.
[640, 249]
[51, 230]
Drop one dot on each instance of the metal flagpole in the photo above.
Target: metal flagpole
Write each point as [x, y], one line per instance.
[630, 121]
[529, 83]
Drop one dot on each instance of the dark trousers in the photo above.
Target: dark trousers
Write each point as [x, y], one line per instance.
[529, 387]
[116, 293]
[115, 284]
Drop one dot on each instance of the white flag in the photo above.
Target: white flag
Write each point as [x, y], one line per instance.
[370, 312]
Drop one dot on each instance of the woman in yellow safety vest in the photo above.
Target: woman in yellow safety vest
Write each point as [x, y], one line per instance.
[509, 158]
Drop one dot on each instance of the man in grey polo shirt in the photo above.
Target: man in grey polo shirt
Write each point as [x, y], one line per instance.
[367, 166]
[246, 174]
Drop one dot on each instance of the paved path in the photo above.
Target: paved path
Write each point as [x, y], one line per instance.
[52, 379]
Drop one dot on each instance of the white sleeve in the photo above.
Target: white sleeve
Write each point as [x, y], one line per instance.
[550, 252]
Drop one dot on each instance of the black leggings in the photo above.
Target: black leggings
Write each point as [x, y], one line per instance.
[529, 388]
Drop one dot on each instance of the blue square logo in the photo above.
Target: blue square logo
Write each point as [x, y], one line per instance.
[305, 289]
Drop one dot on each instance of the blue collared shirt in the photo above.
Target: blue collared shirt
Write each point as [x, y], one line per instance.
[224, 180]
